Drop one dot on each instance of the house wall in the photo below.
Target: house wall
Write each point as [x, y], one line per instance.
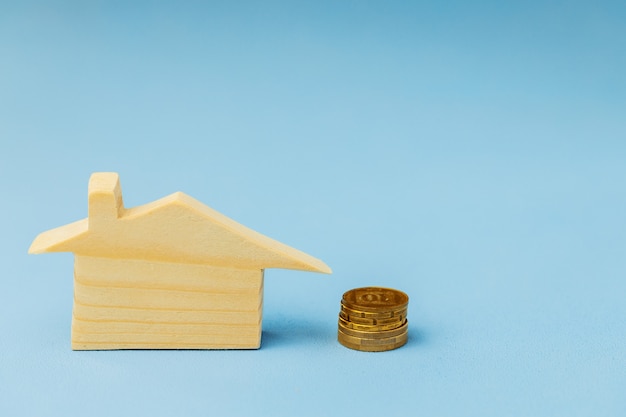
[134, 304]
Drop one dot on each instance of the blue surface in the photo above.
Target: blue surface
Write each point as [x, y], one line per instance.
[470, 154]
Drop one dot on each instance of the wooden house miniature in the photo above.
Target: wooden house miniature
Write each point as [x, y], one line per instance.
[171, 274]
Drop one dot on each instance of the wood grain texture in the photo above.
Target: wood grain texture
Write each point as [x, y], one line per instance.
[116, 313]
[176, 228]
[162, 299]
[178, 306]
[172, 274]
[165, 275]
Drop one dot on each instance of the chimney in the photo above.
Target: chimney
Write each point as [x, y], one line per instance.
[105, 198]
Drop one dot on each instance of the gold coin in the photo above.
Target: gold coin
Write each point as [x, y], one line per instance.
[375, 299]
[372, 328]
[382, 314]
[371, 342]
[375, 334]
[372, 321]
[369, 328]
[381, 348]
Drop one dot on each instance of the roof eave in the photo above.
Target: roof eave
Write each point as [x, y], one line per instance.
[58, 239]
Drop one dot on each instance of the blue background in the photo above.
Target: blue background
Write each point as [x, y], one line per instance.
[471, 154]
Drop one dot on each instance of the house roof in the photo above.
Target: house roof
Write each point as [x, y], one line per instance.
[176, 228]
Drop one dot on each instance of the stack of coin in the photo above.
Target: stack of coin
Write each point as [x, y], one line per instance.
[373, 319]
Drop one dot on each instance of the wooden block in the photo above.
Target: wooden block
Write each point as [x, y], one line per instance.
[176, 228]
[163, 299]
[94, 335]
[136, 328]
[172, 274]
[89, 341]
[133, 273]
[113, 313]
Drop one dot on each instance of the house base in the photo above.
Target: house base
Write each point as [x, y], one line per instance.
[136, 304]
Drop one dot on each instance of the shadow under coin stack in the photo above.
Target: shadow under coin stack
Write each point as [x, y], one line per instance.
[373, 319]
